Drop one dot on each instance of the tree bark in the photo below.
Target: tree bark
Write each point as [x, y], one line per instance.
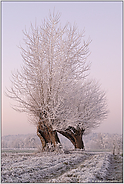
[47, 135]
[74, 135]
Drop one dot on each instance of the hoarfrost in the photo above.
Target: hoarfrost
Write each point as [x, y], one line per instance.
[52, 167]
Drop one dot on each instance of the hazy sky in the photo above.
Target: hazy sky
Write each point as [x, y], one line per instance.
[103, 24]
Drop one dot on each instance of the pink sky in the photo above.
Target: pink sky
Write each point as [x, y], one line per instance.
[103, 24]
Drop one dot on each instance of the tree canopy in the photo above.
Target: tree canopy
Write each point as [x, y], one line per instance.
[53, 58]
[53, 82]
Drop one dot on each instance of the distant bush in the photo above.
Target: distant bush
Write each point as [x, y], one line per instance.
[20, 141]
[93, 142]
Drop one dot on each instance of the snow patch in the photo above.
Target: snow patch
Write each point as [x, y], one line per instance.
[55, 167]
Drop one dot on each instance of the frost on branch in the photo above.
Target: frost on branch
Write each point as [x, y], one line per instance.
[84, 109]
[52, 59]
[52, 81]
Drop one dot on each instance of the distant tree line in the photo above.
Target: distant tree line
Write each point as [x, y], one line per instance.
[93, 141]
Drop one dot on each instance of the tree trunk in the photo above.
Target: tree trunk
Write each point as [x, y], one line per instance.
[79, 141]
[68, 135]
[47, 135]
[74, 135]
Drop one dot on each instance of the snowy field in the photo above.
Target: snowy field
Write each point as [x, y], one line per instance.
[70, 166]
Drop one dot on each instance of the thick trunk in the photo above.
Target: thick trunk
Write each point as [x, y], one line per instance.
[79, 141]
[47, 135]
[74, 135]
[68, 135]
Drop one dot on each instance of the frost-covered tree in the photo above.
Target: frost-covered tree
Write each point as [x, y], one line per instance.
[54, 61]
[84, 109]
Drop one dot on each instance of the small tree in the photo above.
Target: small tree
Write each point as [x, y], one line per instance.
[84, 110]
[54, 60]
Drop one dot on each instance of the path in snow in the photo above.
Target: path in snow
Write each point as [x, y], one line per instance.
[40, 167]
[76, 166]
[115, 168]
[103, 167]
[85, 171]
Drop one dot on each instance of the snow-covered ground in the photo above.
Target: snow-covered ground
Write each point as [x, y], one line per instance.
[71, 166]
